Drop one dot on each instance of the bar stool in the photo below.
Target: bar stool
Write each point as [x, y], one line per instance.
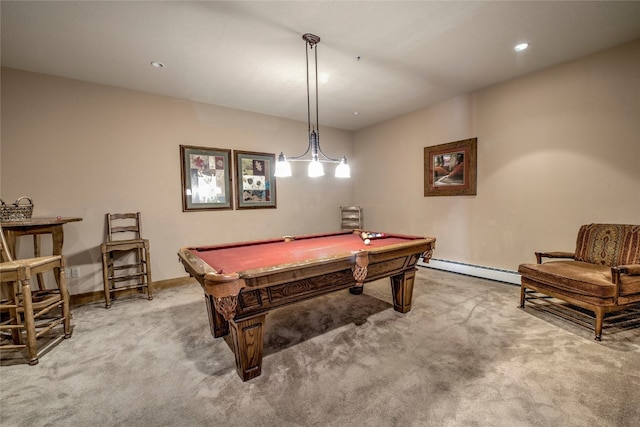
[117, 254]
[31, 313]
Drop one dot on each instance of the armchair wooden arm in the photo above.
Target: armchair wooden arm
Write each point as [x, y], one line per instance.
[631, 269]
[540, 255]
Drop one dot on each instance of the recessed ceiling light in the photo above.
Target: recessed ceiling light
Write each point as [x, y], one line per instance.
[157, 64]
[356, 113]
[323, 77]
[521, 46]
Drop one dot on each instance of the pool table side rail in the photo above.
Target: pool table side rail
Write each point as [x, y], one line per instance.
[349, 257]
[196, 267]
[219, 285]
[268, 241]
[304, 237]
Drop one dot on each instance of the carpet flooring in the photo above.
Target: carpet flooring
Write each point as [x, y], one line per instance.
[465, 355]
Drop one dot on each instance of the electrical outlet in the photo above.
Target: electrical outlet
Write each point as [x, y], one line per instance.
[75, 272]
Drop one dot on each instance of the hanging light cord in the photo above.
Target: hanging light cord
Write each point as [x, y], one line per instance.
[314, 140]
[306, 52]
[315, 169]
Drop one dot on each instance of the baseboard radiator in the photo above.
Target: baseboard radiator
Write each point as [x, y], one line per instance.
[497, 274]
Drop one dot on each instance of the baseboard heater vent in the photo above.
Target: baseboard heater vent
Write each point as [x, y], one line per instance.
[500, 275]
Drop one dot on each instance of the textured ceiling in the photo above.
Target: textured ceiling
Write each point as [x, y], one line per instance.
[250, 55]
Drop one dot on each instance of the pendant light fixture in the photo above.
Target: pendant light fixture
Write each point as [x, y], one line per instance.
[314, 154]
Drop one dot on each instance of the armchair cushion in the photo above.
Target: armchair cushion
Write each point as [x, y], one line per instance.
[581, 278]
[576, 277]
[608, 244]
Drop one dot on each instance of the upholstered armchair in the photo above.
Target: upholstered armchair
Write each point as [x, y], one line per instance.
[602, 275]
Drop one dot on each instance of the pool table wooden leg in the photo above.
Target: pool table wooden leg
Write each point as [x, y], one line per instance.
[402, 289]
[356, 290]
[247, 335]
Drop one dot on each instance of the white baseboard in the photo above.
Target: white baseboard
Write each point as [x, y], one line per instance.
[500, 275]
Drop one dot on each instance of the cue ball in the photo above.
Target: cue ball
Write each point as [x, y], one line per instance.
[367, 241]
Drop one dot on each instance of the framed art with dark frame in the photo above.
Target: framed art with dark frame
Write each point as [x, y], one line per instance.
[206, 178]
[255, 180]
[450, 169]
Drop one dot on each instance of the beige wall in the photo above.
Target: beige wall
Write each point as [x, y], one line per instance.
[81, 149]
[556, 149]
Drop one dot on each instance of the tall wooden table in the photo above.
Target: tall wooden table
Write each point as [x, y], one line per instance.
[36, 227]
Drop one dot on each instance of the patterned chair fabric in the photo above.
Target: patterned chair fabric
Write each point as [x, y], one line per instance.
[608, 244]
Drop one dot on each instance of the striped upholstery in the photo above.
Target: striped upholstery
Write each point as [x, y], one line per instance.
[608, 244]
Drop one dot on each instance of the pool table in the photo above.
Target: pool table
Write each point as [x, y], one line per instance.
[243, 281]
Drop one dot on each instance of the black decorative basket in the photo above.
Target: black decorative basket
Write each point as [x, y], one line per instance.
[18, 211]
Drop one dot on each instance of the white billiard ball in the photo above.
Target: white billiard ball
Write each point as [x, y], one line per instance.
[367, 241]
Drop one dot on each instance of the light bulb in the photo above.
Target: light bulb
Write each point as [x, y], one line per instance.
[315, 169]
[343, 170]
[283, 168]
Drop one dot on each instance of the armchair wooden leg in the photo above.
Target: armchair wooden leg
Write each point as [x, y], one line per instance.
[598, 326]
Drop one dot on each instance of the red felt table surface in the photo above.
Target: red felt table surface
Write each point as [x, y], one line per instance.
[254, 255]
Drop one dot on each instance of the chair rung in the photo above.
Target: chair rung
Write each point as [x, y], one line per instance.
[44, 302]
[8, 321]
[38, 302]
[11, 326]
[122, 267]
[580, 316]
[8, 306]
[126, 288]
[46, 309]
[127, 277]
[12, 346]
[49, 327]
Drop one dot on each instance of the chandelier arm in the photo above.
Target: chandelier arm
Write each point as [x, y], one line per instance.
[297, 159]
[300, 157]
[327, 158]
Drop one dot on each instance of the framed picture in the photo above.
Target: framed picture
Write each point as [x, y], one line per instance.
[255, 182]
[205, 178]
[450, 169]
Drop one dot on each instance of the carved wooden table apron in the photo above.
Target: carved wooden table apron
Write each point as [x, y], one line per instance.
[243, 281]
[37, 227]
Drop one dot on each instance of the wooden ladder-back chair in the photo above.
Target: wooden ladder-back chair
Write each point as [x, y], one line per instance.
[124, 242]
[351, 218]
[31, 313]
